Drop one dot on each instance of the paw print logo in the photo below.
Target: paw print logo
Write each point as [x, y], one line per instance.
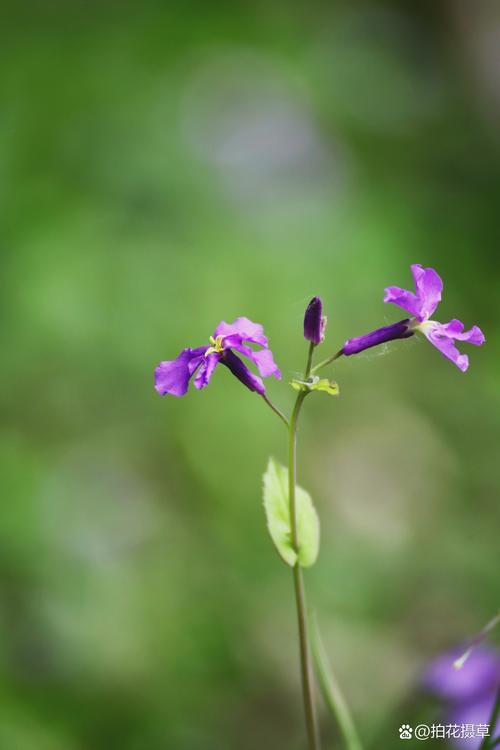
[405, 732]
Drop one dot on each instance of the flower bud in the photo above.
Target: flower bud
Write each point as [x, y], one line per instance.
[314, 321]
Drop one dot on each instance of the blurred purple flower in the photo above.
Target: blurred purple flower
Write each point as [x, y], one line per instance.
[469, 692]
[422, 303]
[314, 321]
[480, 673]
[173, 376]
[477, 712]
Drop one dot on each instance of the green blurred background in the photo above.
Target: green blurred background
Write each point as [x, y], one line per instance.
[168, 165]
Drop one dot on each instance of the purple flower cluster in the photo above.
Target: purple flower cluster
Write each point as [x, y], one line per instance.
[469, 691]
[230, 339]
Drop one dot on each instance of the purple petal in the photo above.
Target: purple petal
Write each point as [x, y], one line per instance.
[241, 371]
[442, 336]
[265, 363]
[455, 329]
[476, 712]
[243, 328]
[206, 370]
[262, 359]
[429, 286]
[387, 333]
[407, 300]
[480, 674]
[314, 322]
[450, 351]
[172, 376]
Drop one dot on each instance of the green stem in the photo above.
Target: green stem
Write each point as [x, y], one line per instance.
[332, 692]
[309, 360]
[300, 599]
[292, 467]
[481, 636]
[326, 362]
[275, 409]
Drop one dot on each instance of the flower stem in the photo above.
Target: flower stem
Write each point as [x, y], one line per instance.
[480, 637]
[332, 693]
[326, 362]
[309, 360]
[275, 409]
[300, 599]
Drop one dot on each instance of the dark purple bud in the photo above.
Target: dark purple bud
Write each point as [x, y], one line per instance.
[314, 321]
[241, 371]
[387, 333]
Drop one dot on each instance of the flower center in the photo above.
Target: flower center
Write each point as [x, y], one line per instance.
[424, 327]
[216, 347]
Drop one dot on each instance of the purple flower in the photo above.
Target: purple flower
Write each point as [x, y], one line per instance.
[173, 376]
[479, 674]
[422, 303]
[314, 321]
[475, 713]
[469, 692]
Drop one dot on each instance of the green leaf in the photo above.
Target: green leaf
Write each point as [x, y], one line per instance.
[326, 385]
[308, 528]
[316, 384]
[276, 505]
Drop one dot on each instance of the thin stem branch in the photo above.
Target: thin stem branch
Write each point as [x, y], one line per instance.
[305, 661]
[309, 360]
[326, 362]
[480, 637]
[275, 409]
[300, 598]
[332, 692]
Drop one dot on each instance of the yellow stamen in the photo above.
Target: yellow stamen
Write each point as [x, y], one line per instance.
[216, 347]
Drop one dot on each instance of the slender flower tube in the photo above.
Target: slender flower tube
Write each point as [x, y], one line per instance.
[314, 322]
[173, 376]
[399, 330]
[421, 305]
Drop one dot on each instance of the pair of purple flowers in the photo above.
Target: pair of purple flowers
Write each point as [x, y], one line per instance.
[230, 339]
